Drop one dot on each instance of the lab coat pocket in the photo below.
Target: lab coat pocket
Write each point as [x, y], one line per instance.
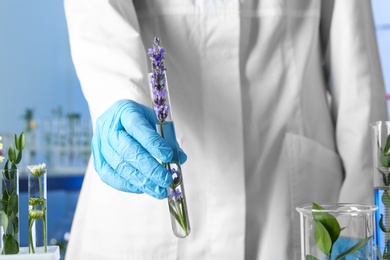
[316, 172]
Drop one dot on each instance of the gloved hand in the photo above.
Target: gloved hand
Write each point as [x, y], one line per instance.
[125, 146]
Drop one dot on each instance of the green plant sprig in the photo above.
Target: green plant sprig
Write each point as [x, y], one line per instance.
[10, 199]
[15, 152]
[37, 207]
[327, 231]
[384, 158]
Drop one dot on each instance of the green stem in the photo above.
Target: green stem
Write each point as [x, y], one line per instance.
[44, 233]
[182, 215]
[40, 187]
[44, 212]
[8, 229]
[161, 130]
[44, 226]
[30, 238]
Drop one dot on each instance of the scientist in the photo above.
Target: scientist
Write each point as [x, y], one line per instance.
[262, 129]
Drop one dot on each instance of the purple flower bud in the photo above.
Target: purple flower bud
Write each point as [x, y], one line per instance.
[175, 194]
[158, 80]
[152, 81]
[161, 112]
[161, 51]
[175, 172]
[159, 97]
[156, 41]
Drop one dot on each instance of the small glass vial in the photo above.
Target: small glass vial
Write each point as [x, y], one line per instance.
[165, 127]
[37, 208]
[176, 194]
[9, 213]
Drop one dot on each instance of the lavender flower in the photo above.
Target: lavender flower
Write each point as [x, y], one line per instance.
[164, 126]
[176, 172]
[175, 194]
[176, 177]
[158, 80]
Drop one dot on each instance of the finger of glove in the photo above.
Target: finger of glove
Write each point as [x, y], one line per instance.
[135, 154]
[106, 173]
[181, 155]
[137, 123]
[132, 175]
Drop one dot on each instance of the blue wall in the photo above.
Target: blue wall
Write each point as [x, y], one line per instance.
[36, 70]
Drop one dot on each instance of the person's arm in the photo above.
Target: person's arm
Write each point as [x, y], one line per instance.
[110, 61]
[107, 52]
[358, 96]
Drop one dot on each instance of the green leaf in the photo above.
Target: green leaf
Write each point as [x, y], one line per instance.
[13, 166]
[4, 205]
[5, 197]
[378, 253]
[18, 157]
[176, 182]
[388, 159]
[15, 224]
[12, 173]
[322, 238]
[7, 174]
[13, 204]
[15, 140]
[384, 177]
[3, 220]
[382, 225]
[354, 248]
[6, 164]
[11, 153]
[173, 212]
[330, 223]
[184, 214]
[21, 142]
[310, 257]
[383, 159]
[387, 146]
[386, 198]
[386, 255]
[1, 204]
[11, 246]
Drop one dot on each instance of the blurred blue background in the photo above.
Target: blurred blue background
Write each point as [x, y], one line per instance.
[40, 93]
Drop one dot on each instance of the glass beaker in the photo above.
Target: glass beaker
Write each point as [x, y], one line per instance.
[337, 231]
[381, 163]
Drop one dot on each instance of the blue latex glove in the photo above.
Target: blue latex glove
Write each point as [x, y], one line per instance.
[125, 146]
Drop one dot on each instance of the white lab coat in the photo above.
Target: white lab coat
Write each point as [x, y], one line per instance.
[251, 109]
